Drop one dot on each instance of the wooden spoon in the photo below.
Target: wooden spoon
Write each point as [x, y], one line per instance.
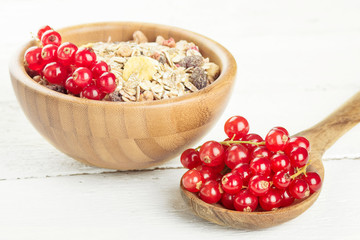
[321, 137]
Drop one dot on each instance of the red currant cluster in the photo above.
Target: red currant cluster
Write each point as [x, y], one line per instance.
[244, 171]
[66, 65]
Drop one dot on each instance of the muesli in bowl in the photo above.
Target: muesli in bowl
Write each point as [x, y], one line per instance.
[126, 71]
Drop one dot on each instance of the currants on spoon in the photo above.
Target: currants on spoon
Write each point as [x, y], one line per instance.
[249, 182]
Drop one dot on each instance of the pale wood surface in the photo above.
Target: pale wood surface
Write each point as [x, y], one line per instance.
[303, 55]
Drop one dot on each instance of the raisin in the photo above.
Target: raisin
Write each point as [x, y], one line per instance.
[115, 96]
[56, 88]
[191, 61]
[198, 78]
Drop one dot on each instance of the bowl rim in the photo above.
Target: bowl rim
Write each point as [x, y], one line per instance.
[228, 70]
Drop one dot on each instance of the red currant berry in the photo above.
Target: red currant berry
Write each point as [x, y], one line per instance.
[236, 126]
[192, 181]
[33, 58]
[300, 142]
[212, 153]
[106, 82]
[281, 179]
[219, 168]
[82, 77]
[252, 137]
[259, 185]
[98, 68]
[299, 189]
[279, 162]
[55, 73]
[276, 140]
[207, 172]
[245, 201]
[231, 183]
[261, 151]
[282, 129]
[71, 86]
[235, 155]
[243, 169]
[299, 157]
[85, 57]
[314, 181]
[287, 199]
[190, 158]
[51, 37]
[42, 30]
[271, 200]
[66, 53]
[260, 166]
[210, 192]
[48, 53]
[91, 92]
[227, 200]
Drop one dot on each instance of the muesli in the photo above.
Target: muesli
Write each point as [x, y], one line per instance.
[137, 70]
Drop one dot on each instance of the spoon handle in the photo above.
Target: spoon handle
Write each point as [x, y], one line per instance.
[324, 134]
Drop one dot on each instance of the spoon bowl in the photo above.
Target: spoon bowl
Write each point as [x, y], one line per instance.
[321, 137]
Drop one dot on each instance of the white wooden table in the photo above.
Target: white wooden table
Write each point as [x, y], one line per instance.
[297, 62]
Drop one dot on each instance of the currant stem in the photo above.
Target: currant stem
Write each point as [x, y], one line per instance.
[229, 142]
[300, 171]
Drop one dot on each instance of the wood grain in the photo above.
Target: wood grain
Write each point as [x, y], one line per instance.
[321, 137]
[124, 135]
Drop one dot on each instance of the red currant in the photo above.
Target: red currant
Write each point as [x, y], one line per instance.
[51, 37]
[299, 189]
[42, 30]
[190, 158]
[106, 82]
[55, 73]
[299, 157]
[252, 137]
[281, 179]
[98, 68]
[271, 200]
[276, 140]
[300, 142]
[212, 153]
[66, 53]
[207, 172]
[314, 181]
[260, 166]
[243, 169]
[245, 201]
[227, 200]
[82, 77]
[192, 181]
[231, 183]
[279, 162]
[282, 129]
[236, 127]
[71, 86]
[259, 185]
[261, 151]
[85, 57]
[48, 53]
[236, 154]
[219, 168]
[210, 192]
[287, 199]
[91, 92]
[33, 58]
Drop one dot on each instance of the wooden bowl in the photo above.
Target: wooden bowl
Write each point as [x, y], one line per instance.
[124, 135]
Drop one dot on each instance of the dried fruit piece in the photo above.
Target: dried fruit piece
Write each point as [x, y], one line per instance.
[191, 61]
[143, 66]
[115, 96]
[198, 78]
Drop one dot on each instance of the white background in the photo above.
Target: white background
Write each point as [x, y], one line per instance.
[297, 62]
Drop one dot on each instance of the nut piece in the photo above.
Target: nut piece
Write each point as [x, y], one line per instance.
[115, 96]
[160, 40]
[191, 61]
[139, 37]
[147, 96]
[143, 66]
[124, 51]
[198, 78]
[213, 70]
